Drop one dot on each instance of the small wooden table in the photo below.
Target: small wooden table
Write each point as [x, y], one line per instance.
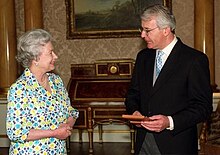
[98, 92]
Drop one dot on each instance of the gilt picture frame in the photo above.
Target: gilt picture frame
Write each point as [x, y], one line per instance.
[92, 19]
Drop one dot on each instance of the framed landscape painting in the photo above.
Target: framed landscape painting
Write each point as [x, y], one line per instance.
[106, 18]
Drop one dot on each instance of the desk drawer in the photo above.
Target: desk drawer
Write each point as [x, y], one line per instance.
[108, 113]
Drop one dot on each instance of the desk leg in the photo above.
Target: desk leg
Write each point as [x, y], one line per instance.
[100, 133]
[90, 130]
[68, 144]
[132, 139]
[80, 136]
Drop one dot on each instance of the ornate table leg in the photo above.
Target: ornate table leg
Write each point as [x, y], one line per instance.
[80, 136]
[100, 133]
[132, 138]
[68, 144]
[90, 130]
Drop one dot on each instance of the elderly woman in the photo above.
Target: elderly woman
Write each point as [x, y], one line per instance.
[39, 115]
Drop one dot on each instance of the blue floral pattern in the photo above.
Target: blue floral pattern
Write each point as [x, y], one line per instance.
[30, 106]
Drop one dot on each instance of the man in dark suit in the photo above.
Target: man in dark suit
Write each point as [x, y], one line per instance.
[175, 98]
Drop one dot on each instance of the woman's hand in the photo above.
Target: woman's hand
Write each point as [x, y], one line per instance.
[63, 131]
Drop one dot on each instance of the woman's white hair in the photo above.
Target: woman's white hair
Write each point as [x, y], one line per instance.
[30, 45]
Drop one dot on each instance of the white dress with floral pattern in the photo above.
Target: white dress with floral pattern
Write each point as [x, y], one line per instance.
[30, 106]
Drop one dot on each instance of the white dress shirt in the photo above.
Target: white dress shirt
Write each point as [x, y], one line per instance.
[167, 50]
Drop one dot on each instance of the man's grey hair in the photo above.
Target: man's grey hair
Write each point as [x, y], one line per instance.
[163, 16]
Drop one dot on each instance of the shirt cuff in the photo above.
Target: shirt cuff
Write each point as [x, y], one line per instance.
[171, 127]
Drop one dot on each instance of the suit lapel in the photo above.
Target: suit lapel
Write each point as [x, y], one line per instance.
[150, 70]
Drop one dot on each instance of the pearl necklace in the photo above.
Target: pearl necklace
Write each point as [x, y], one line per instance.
[44, 83]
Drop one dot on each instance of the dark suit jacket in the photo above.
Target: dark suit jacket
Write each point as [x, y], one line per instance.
[182, 90]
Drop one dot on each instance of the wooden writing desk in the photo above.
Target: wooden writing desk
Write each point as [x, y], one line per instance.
[98, 91]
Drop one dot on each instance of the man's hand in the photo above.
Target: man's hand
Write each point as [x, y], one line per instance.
[156, 123]
[137, 123]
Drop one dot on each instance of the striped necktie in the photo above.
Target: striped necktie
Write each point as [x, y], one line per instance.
[159, 62]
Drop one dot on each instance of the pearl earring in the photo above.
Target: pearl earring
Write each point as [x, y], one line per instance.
[36, 64]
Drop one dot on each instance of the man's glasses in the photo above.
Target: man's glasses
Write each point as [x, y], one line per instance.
[146, 31]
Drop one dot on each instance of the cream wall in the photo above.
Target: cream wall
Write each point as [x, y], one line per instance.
[89, 50]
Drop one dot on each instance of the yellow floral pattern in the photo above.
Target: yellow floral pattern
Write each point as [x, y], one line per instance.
[30, 106]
